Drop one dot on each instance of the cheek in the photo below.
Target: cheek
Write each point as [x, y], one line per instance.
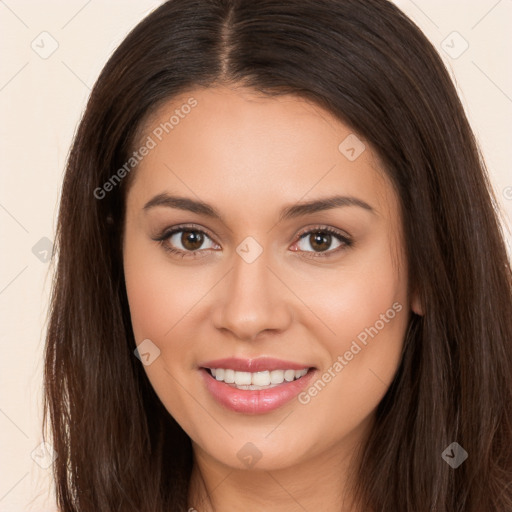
[358, 296]
[145, 284]
[366, 307]
[159, 294]
[160, 298]
[360, 300]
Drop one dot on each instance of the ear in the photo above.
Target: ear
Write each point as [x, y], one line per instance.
[416, 304]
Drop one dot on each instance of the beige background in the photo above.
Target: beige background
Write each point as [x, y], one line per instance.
[41, 100]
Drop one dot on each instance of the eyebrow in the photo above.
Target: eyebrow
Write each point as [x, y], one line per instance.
[289, 212]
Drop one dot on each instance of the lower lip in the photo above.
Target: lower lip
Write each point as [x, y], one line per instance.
[255, 401]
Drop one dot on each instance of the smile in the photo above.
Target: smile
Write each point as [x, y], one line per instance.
[255, 386]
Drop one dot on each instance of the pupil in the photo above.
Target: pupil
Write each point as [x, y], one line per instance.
[191, 240]
[321, 241]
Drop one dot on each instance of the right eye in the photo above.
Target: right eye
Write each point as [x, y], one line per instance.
[185, 241]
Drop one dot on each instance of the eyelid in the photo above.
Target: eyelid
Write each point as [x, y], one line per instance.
[168, 232]
[323, 228]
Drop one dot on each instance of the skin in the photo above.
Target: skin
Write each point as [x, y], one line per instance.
[249, 156]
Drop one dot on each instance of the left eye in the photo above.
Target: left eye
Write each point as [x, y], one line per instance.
[321, 240]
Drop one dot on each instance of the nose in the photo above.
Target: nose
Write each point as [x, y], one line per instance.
[252, 300]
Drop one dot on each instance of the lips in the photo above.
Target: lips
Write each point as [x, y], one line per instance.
[247, 398]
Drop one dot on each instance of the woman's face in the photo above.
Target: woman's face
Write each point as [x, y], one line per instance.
[289, 257]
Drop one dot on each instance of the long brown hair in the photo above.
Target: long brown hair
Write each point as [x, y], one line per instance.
[365, 62]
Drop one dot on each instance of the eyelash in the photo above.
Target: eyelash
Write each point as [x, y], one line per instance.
[167, 233]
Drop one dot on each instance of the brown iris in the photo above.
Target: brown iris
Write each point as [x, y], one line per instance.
[320, 241]
[192, 240]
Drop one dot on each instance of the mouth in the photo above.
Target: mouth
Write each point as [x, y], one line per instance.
[255, 386]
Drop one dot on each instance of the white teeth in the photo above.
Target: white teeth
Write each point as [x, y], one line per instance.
[289, 375]
[257, 380]
[277, 376]
[242, 378]
[300, 373]
[229, 376]
[261, 378]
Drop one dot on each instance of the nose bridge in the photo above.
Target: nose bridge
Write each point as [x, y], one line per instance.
[252, 299]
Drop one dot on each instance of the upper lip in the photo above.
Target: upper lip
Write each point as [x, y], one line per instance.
[254, 365]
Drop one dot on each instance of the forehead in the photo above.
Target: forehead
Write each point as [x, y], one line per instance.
[236, 145]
